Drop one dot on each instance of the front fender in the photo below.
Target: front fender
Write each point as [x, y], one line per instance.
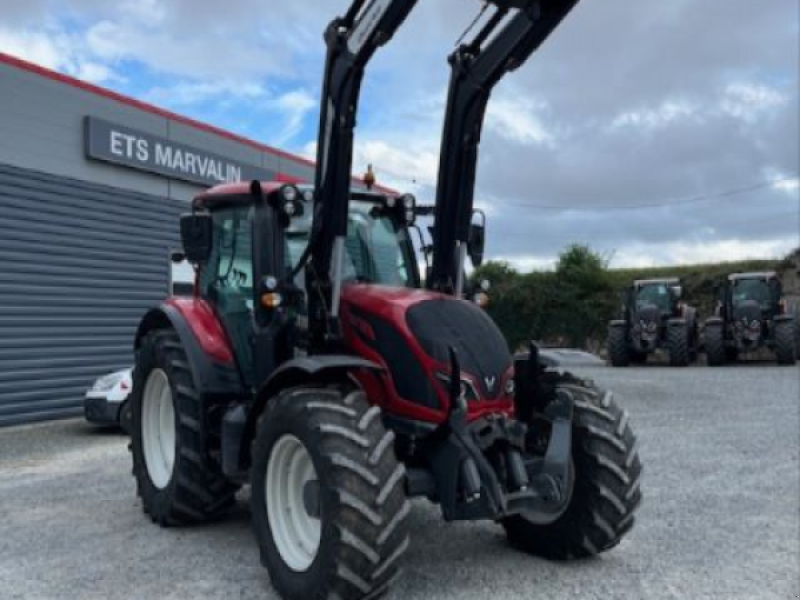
[317, 369]
[213, 371]
[677, 322]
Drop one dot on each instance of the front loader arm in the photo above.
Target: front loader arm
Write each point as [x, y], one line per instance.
[352, 40]
[510, 36]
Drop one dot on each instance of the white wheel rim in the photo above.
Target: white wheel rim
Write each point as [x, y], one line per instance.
[158, 428]
[296, 533]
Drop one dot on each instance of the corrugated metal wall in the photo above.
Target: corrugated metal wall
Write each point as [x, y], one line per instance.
[79, 265]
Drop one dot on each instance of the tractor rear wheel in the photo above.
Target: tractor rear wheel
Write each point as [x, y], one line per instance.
[606, 491]
[716, 353]
[618, 347]
[174, 476]
[328, 497]
[785, 343]
[678, 345]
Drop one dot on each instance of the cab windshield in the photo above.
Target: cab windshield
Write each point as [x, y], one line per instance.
[654, 294]
[376, 250]
[756, 290]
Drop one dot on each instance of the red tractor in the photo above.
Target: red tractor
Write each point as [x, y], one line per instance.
[312, 364]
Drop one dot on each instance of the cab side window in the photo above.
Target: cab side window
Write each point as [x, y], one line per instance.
[227, 280]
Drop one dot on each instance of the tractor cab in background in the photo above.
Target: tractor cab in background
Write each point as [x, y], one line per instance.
[751, 314]
[653, 317]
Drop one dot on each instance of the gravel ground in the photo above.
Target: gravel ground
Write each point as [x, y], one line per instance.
[721, 517]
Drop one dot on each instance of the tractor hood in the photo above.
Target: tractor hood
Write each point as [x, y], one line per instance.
[412, 332]
[748, 312]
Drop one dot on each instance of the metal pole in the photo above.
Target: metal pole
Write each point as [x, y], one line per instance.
[462, 258]
[338, 274]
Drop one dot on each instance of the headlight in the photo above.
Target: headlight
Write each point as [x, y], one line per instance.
[106, 383]
[289, 193]
[308, 196]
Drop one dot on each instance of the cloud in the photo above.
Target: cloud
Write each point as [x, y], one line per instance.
[651, 119]
[518, 117]
[676, 253]
[294, 106]
[57, 50]
[749, 101]
[187, 93]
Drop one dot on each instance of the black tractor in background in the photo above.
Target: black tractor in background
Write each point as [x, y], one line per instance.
[751, 314]
[653, 317]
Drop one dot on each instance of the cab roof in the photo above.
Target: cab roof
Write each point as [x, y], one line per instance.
[240, 193]
[753, 275]
[667, 280]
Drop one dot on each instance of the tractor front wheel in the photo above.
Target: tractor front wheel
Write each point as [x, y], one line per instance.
[678, 345]
[175, 478]
[618, 352]
[606, 491]
[328, 497]
[716, 352]
[785, 343]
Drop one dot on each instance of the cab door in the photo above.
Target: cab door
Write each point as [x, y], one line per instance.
[227, 281]
[273, 326]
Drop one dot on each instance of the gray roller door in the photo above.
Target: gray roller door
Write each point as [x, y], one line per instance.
[79, 266]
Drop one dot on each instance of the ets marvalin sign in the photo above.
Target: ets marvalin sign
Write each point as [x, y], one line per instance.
[121, 145]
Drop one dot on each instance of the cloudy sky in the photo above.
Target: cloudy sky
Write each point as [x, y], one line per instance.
[655, 132]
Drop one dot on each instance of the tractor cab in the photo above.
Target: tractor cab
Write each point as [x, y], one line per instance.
[659, 296]
[759, 293]
[248, 242]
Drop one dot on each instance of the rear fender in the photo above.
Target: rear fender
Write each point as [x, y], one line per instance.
[677, 322]
[207, 350]
[617, 323]
[308, 370]
[783, 318]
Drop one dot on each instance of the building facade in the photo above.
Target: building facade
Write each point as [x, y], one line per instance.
[91, 187]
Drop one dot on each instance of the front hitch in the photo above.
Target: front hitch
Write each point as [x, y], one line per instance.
[481, 470]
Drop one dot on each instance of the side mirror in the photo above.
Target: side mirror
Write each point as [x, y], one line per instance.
[476, 243]
[196, 235]
[677, 291]
[177, 256]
